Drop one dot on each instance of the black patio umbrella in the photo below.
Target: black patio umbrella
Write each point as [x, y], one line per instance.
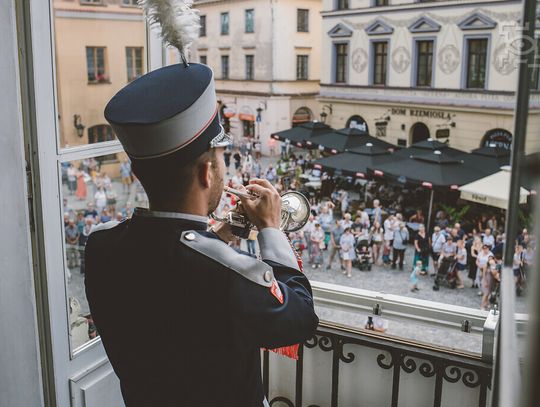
[427, 146]
[347, 139]
[490, 158]
[300, 134]
[355, 162]
[439, 169]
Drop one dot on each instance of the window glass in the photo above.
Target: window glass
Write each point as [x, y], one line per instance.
[203, 59]
[250, 21]
[249, 67]
[224, 23]
[342, 4]
[424, 58]
[129, 2]
[380, 62]
[341, 62]
[202, 31]
[224, 67]
[95, 56]
[302, 23]
[476, 66]
[94, 191]
[302, 67]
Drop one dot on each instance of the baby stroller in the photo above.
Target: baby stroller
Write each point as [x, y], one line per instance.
[446, 273]
[364, 257]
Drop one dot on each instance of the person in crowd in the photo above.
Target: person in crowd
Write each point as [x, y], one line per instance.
[346, 221]
[100, 199]
[389, 228]
[271, 173]
[106, 216]
[476, 248]
[421, 249]
[413, 278]
[308, 228]
[348, 254]
[82, 191]
[90, 211]
[256, 169]
[376, 233]
[418, 217]
[125, 173]
[362, 235]
[237, 158]
[437, 241]
[459, 232]
[461, 265]
[376, 213]
[401, 237]
[336, 232]
[344, 200]
[72, 243]
[252, 242]
[488, 239]
[83, 238]
[498, 248]
[111, 199]
[72, 178]
[481, 262]
[523, 238]
[441, 219]
[528, 259]
[489, 275]
[492, 222]
[517, 268]
[317, 246]
[227, 159]
[127, 212]
[364, 217]
[246, 178]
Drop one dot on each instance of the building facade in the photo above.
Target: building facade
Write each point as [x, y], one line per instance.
[266, 61]
[410, 70]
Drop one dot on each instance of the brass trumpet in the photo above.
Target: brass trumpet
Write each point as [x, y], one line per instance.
[295, 209]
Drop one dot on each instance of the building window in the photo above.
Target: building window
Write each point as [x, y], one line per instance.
[202, 30]
[380, 62]
[249, 67]
[378, 3]
[476, 63]
[341, 62]
[100, 133]
[91, 1]
[224, 23]
[250, 21]
[342, 4]
[535, 71]
[302, 20]
[134, 62]
[248, 128]
[203, 59]
[96, 65]
[424, 63]
[224, 67]
[129, 3]
[302, 62]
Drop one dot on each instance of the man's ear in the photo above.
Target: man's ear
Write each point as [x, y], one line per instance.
[205, 174]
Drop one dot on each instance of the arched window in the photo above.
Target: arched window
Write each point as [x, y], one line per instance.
[498, 137]
[357, 122]
[302, 115]
[419, 132]
[100, 133]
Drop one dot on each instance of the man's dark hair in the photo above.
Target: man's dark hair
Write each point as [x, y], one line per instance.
[168, 179]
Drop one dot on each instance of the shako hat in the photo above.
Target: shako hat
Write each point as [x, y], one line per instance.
[172, 109]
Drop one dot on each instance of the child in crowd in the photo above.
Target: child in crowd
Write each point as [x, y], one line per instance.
[414, 275]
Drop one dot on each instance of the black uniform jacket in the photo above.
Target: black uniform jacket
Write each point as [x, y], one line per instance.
[181, 329]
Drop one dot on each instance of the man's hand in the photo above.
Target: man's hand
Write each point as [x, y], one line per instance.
[265, 211]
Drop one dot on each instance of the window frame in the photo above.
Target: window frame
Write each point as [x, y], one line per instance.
[375, 3]
[202, 29]
[131, 3]
[222, 25]
[335, 45]
[302, 29]
[339, 6]
[205, 57]
[535, 81]
[465, 62]
[228, 65]
[133, 59]
[247, 29]
[415, 66]
[249, 73]
[107, 78]
[305, 64]
[372, 44]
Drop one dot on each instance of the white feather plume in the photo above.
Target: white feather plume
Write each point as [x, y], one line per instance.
[179, 23]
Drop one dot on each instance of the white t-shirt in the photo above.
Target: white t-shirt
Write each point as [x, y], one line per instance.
[488, 240]
[482, 258]
[388, 229]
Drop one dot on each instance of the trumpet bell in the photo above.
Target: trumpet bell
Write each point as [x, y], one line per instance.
[295, 209]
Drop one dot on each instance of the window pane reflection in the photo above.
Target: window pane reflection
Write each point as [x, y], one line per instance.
[94, 191]
[99, 47]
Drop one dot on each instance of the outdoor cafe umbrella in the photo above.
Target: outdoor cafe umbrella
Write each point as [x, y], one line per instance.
[439, 169]
[356, 161]
[299, 134]
[490, 158]
[342, 140]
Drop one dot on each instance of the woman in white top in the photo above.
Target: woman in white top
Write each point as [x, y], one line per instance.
[347, 250]
[317, 244]
[376, 238]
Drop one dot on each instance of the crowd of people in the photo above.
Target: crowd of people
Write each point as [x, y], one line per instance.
[356, 234]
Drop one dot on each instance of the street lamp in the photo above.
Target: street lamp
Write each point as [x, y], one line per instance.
[78, 125]
[323, 114]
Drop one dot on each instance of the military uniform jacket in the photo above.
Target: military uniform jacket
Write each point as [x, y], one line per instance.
[182, 323]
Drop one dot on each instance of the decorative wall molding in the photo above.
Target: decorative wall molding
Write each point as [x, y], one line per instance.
[379, 27]
[340, 30]
[477, 21]
[424, 25]
[401, 59]
[359, 60]
[448, 59]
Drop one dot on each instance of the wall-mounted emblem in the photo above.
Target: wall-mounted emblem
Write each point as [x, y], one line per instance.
[448, 59]
[401, 59]
[359, 60]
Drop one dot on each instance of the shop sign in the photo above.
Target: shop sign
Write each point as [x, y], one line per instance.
[499, 138]
[380, 129]
[430, 114]
[442, 133]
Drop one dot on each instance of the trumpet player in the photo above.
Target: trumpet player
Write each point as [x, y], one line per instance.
[202, 310]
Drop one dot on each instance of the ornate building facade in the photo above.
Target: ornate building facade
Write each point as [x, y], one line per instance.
[266, 61]
[440, 69]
